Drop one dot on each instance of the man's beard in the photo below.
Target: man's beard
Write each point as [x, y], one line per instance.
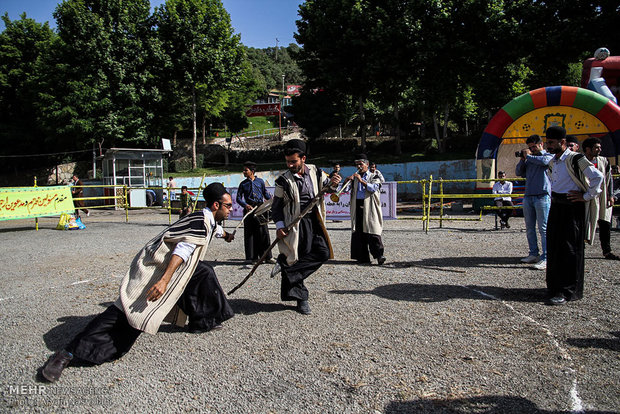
[296, 170]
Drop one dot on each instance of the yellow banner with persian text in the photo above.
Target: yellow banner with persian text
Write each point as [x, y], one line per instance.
[30, 202]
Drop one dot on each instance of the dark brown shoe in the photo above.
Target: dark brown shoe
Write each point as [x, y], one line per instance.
[55, 364]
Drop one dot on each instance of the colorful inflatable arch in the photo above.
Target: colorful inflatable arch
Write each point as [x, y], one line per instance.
[581, 112]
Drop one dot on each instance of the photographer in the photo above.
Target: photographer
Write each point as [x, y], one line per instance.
[537, 200]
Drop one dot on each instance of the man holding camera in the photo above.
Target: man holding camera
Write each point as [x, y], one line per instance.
[537, 200]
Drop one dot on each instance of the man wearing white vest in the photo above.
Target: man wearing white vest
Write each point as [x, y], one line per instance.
[592, 150]
[366, 215]
[575, 185]
[185, 288]
[306, 246]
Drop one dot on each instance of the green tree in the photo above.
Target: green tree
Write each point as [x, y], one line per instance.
[202, 53]
[21, 44]
[338, 42]
[96, 80]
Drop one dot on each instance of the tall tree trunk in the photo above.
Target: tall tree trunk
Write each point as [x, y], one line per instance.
[362, 124]
[397, 147]
[436, 128]
[444, 135]
[174, 138]
[194, 132]
[204, 128]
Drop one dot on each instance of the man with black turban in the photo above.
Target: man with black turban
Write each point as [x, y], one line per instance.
[167, 279]
[575, 185]
[306, 246]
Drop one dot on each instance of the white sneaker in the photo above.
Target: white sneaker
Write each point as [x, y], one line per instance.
[530, 259]
[542, 265]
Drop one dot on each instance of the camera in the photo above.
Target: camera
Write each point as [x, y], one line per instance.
[518, 154]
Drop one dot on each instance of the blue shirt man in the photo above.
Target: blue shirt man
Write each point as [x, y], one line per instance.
[537, 201]
[251, 193]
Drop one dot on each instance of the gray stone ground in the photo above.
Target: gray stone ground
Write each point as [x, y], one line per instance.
[452, 323]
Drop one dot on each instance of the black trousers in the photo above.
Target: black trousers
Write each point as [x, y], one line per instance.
[110, 336]
[504, 215]
[256, 238]
[565, 248]
[604, 235]
[362, 243]
[312, 252]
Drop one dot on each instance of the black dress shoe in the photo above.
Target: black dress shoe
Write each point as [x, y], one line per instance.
[557, 300]
[611, 256]
[204, 330]
[381, 260]
[55, 364]
[303, 307]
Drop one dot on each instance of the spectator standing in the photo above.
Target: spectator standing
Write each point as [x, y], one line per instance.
[592, 150]
[533, 167]
[77, 191]
[372, 167]
[366, 215]
[335, 171]
[186, 202]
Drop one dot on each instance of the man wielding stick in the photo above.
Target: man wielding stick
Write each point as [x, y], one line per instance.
[167, 279]
[306, 246]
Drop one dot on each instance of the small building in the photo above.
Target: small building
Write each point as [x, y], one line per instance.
[138, 169]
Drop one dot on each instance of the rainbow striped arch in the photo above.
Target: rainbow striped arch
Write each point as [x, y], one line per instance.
[598, 106]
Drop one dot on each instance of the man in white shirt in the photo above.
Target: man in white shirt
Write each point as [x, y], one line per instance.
[575, 184]
[185, 287]
[503, 187]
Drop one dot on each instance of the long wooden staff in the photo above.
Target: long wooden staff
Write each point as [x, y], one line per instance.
[288, 228]
[198, 195]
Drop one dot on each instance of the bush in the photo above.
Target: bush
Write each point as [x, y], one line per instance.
[185, 163]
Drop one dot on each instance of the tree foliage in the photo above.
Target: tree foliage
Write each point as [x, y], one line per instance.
[21, 44]
[469, 56]
[202, 54]
[269, 64]
[96, 80]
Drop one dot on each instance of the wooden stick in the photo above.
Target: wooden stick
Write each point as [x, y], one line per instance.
[309, 208]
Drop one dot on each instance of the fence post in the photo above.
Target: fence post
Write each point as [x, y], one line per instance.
[430, 193]
[441, 201]
[126, 202]
[423, 182]
[169, 206]
[36, 219]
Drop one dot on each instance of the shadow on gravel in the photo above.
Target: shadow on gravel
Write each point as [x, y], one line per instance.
[438, 293]
[59, 336]
[249, 307]
[16, 229]
[463, 261]
[603, 343]
[480, 405]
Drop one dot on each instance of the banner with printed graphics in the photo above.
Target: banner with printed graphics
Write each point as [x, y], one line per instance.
[30, 202]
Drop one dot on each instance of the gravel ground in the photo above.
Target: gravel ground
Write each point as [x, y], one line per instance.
[451, 323]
